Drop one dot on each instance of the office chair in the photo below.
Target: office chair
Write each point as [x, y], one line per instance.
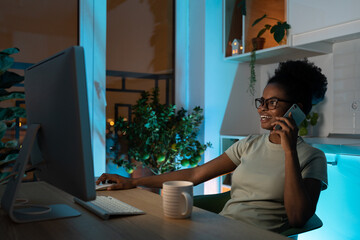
[215, 203]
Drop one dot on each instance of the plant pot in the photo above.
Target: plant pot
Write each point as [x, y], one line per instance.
[141, 171]
[258, 43]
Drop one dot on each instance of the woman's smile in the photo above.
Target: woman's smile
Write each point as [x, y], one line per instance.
[265, 118]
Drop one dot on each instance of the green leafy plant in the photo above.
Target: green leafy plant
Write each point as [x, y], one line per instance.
[252, 78]
[158, 137]
[279, 30]
[9, 148]
[311, 120]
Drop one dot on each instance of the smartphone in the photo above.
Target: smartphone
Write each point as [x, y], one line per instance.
[296, 113]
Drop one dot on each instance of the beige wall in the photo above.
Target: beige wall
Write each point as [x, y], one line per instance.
[139, 39]
[38, 28]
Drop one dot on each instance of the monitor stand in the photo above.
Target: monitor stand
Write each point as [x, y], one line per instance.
[30, 213]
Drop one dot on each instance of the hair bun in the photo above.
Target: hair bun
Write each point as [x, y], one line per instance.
[302, 80]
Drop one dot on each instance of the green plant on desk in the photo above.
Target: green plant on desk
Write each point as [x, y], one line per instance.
[9, 148]
[158, 137]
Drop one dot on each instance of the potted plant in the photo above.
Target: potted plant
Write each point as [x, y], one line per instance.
[158, 137]
[311, 120]
[278, 30]
[9, 148]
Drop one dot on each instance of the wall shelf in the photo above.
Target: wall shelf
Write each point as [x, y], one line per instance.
[280, 53]
[312, 40]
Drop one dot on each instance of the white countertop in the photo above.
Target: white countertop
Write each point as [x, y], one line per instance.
[335, 145]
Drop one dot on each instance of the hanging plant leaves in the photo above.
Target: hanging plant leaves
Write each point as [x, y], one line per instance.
[5, 60]
[8, 79]
[10, 51]
[3, 128]
[9, 151]
[12, 113]
[3, 92]
[252, 78]
[11, 144]
[12, 95]
[5, 63]
[9, 158]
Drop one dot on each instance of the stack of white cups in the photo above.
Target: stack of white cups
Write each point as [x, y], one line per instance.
[177, 199]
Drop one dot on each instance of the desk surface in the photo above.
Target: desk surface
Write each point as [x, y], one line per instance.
[152, 225]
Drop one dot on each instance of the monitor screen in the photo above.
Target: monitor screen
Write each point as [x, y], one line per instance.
[58, 137]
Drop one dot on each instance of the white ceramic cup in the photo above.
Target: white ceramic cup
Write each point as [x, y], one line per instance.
[177, 199]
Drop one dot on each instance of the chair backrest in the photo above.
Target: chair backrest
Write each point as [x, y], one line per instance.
[215, 203]
[313, 223]
[212, 202]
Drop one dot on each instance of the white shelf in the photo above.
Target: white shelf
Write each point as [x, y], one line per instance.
[309, 44]
[280, 53]
[312, 42]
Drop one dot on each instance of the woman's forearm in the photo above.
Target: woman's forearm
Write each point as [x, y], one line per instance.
[197, 175]
[158, 180]
[298, 204]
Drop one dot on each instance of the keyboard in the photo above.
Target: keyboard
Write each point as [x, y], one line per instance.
[106, 206]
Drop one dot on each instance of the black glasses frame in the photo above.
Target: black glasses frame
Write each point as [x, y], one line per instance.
[261, 102]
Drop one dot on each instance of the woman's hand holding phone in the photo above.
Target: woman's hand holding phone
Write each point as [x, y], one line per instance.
[287, 127]
[296, 113]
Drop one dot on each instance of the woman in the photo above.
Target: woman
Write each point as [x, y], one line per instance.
[277, 177]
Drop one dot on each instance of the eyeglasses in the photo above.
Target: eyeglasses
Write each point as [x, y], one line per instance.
[270, 103]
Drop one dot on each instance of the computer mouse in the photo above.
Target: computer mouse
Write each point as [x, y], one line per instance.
[102, 186]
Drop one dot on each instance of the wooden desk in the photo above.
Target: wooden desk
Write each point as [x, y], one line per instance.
[153, 225]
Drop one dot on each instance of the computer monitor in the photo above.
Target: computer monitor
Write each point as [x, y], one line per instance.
[58, 137]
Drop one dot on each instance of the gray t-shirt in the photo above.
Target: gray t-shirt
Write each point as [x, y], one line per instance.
[257, 191]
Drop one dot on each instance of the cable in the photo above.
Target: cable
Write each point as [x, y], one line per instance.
[3, 181]
[46, 209]
[21, 203]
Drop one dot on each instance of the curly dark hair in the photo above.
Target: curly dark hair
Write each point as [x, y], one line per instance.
[302, 81]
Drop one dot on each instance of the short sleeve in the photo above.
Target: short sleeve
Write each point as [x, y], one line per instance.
[316, 168]
[235, 151]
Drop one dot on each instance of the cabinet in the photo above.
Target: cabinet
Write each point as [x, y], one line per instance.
[322, 15]
[240, 14]
[315, 27]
